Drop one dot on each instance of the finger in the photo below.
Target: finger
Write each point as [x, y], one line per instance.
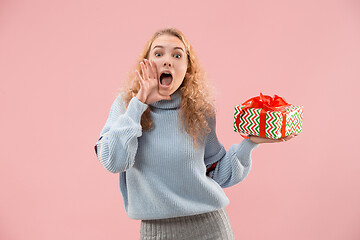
[149, 68]
[288, 137]
[291, 136]
[139, 77]
[153, 64]
[146, 72]
[143, 70]
[276, 140]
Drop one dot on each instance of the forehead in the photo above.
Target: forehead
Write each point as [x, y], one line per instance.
[168, 41]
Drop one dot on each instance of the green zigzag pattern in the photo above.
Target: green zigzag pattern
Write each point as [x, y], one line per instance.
[252, 112]
[293, 122]
[271, 123]
[235, 115]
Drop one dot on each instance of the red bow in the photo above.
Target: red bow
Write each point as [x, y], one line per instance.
[266, 103]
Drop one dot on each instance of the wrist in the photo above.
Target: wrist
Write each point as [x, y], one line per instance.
[251, 138]
[141, 98]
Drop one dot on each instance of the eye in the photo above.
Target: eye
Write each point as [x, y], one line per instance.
[177, 55]
[156, 54]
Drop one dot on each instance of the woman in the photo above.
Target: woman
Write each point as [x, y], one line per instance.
[160, 137]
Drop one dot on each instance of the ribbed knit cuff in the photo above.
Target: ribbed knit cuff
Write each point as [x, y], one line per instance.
[135, 109]
[217, 156]
[244, 152]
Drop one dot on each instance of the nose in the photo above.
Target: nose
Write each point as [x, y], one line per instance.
[167, 63]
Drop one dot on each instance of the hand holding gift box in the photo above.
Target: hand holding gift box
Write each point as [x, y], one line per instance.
[268, 117]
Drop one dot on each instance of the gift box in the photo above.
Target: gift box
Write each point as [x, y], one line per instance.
[268, 117]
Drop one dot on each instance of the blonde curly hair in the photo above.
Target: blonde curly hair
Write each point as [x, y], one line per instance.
[196, 102]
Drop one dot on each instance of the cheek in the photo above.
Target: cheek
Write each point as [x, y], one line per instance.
[183, 69]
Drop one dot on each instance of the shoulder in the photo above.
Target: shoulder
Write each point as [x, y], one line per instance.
[118, 103]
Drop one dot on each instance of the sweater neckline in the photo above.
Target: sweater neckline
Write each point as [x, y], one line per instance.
[174, 103]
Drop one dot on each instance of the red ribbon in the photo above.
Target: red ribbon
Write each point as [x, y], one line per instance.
[266, 103]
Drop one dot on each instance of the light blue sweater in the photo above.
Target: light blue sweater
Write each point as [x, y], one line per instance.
[161, 174]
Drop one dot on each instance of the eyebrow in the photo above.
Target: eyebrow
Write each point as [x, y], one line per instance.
[159, 46]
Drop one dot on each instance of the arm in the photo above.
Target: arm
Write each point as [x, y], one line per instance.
[227, 168]
[118, 141]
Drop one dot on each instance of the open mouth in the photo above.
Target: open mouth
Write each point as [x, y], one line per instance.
[166, 79]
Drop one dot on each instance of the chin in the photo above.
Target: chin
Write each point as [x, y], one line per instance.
[165, 92]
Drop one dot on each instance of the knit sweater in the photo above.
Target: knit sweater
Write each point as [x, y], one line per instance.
[161, 173]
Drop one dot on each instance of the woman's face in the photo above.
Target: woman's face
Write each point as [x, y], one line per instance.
[169, 54]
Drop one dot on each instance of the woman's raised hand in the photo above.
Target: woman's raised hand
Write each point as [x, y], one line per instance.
[149, 83]
[257, 139]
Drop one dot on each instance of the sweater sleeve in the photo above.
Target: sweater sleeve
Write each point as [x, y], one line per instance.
[117, 145]
[231, 167]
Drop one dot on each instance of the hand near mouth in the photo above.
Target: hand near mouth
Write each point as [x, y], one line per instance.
[149, 91]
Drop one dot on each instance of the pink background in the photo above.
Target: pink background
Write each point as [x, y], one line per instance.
[61, 63]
